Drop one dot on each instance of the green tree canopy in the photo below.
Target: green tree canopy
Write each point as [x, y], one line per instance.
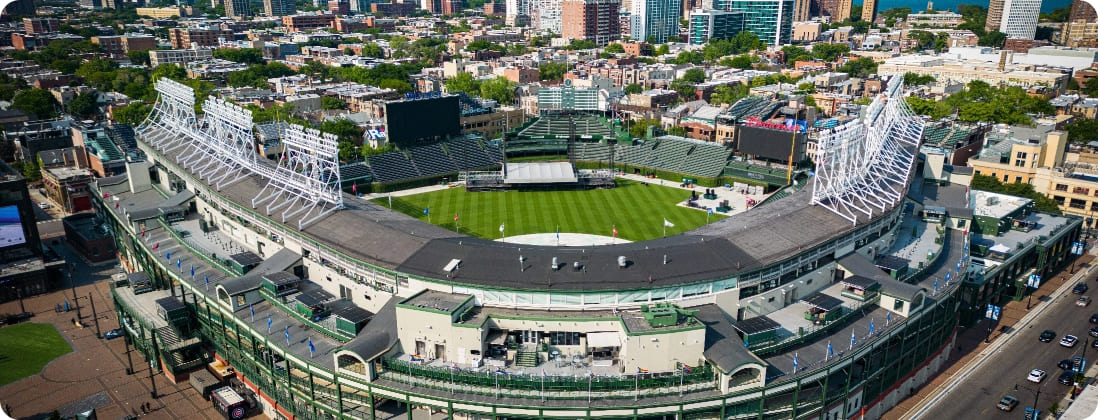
[499, 89]
[694, 75]
[132, 114]
[1082, 130]
[742, 61]
[728, 94]
[83, 106]
[240, 55]
[36, 101]
[992, 39]
[614, 48]
[912, 79]
[139, 57]
[829, 52]
[859, 67]
[633, 88]
[463, 82]
[328, 102]
[551, 70]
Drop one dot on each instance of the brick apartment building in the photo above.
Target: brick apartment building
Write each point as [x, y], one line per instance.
[393, 9]
[598, 21]
[186, 37]
[299, 23]
[41, 25]
[117, 46]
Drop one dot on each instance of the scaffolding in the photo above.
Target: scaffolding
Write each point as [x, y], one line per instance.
[864, 164]
[306, 181]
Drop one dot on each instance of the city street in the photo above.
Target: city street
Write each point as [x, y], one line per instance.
[980, 392]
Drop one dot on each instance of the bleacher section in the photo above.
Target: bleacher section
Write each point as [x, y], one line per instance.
[944, 134]
[775, 175]
[550, 126]
[667, 153]
[434, 160]
[747, 107]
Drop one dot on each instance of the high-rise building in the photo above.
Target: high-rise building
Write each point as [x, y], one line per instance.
[339, 7]
[844, 12]
[518, 12]
[545, 15]
[451, 7]
[834, 9]
[495, 8]
[40, 25]
[278, 7]
[1019, 18]
[655, 21]
[869, 10]
[598, 21]
[238, 8]
[188, 37]
[431, 6]
[1081, 10]
[770, 20]
[802, 10]
[361, 6]
[714, 24]
[994, 15]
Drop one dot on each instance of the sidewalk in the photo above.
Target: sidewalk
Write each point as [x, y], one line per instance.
[970, 341]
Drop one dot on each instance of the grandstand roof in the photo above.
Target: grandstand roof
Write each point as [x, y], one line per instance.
[539, 173]
[376, 235]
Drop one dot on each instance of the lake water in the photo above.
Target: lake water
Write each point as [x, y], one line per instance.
[917, 5]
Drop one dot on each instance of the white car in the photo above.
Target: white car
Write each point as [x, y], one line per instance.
[1036, 376]
[43, 205]
[1069, 341]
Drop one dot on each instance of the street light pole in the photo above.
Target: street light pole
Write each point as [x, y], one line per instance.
[94, 316]
[1030, 301]
[1036, 396]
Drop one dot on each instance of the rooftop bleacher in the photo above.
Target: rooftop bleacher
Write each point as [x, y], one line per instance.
[432, 160]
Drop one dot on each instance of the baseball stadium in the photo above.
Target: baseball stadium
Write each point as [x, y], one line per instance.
[833, 297]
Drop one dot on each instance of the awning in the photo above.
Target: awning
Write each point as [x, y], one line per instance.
[603, 339]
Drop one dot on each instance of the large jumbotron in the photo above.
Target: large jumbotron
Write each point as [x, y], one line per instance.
[329, 306]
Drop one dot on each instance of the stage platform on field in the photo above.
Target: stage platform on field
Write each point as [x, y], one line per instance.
[539, 173]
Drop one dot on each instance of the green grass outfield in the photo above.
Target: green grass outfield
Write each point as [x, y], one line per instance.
[26, 348]
[636, 210]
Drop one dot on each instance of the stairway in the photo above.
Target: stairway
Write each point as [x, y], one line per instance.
[526, 358]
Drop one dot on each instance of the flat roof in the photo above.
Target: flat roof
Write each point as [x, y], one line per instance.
[539, 173]
[892, 262]
[823, 302]
[759, 324]
[314, 298]
[391, 240]
[436, 300]
[279, 278]
[859, 282]
[353, 314]
[246, 258]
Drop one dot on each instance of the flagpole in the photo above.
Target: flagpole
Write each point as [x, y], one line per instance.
[682, 376]
[497, 382]
[589, 376]
[452, 391]
[411, 378]
[636, 386]
[543, 385]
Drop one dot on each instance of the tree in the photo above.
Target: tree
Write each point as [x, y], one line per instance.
[581, 44]
[614, 48]
[463, 82]
[1090, 87]
[677, 131]
[634, 88]
[933, 109]
[139, 57]
[728, 94]
[132, 114]
[662, 50]
[551, 70]
[240, 55]
[806, 87]
[689, 57]
[794, 54]
[1082, 130]
[743, 61]
[694, 75]
[328, 102]
[639, 129]
[171, 71]
[83, 105]
[401, 86]
[829, 52]
[498, 89]
[371, 49]
[992, 39]
[1059, 14]
[912, 79]
[36, 101]
[685, 89]
[860, 67]
[343, 128]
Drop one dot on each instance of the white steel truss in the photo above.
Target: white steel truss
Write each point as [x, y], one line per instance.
[306, 181]
[173, 112]
[864, 165]
[223, 152]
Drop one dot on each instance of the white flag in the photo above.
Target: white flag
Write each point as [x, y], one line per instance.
[501, 228]
[667, 223]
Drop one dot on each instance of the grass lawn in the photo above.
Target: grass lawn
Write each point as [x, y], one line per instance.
[637, 211]
[26, 348]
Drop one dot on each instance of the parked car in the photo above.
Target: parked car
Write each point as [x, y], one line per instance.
[43, 205]
[1067, 377]
[1036, 376]
[1094, 332]
[1065, 364]
[1069, 341]
[1083, 301]
[1032, 414]
[1047, 336]
[1094, 319]
[1080, 289]
[112, 334]
[1007, 403]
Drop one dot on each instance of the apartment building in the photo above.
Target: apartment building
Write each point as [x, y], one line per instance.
[598, 21]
